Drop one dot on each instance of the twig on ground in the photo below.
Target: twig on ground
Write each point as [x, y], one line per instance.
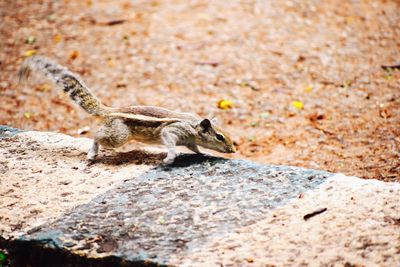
[210, 63]
[111, 22]
[312, 214]
[388, 67]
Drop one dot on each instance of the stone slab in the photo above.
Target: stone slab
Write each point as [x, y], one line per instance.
[125, 210]
[43, 175]
[360, 227]
[169, 211]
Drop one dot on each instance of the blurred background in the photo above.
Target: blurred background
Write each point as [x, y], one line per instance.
[296, 82]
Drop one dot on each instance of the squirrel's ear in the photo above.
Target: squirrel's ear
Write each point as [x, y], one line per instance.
[205, 125]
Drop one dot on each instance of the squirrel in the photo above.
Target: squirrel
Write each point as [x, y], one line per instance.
[146, 124]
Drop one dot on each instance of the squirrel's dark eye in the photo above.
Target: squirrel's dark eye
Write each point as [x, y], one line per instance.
[220, 137]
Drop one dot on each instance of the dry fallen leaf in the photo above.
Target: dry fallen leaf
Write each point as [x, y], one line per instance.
[316, 117]
[74, 54]
[57, 38]
[224, 104]
[349, 19]
[384, 113]
[30, 39]
[249, 260]
[309, 89]
[110, 63]
[44, 87]
[27, 115]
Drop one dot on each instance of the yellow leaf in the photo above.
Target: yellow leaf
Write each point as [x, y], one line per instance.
[27, 115]
[224, 104]
[30, 53]
[57, 38]
[309, 89]
[298, 104]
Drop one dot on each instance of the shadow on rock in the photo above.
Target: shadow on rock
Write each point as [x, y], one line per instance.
[37, 254]
[185, 160]
[136, 157]
[147, 158]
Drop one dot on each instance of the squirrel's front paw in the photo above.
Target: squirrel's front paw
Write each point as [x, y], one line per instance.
[169, 160]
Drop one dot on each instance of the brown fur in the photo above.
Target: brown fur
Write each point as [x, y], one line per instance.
[141, 123]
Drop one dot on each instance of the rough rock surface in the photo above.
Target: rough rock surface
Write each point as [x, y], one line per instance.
[170, 211]
[42, 175]
[202, 211]
[360, 227]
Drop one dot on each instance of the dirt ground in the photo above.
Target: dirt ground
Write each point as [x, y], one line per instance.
[305, 77]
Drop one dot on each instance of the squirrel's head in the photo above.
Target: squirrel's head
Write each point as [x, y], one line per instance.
[210, 136]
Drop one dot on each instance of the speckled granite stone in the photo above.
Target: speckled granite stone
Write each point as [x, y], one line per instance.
[170, 210]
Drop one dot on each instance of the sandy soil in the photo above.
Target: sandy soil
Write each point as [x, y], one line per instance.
[188, 55]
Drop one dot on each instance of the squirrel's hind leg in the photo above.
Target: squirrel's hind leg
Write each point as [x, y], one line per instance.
[93, 151]
[111, 135]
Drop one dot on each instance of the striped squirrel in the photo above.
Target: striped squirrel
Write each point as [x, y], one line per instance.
[147, 124]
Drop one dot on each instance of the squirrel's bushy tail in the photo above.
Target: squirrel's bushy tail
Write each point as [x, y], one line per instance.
[69, 82]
